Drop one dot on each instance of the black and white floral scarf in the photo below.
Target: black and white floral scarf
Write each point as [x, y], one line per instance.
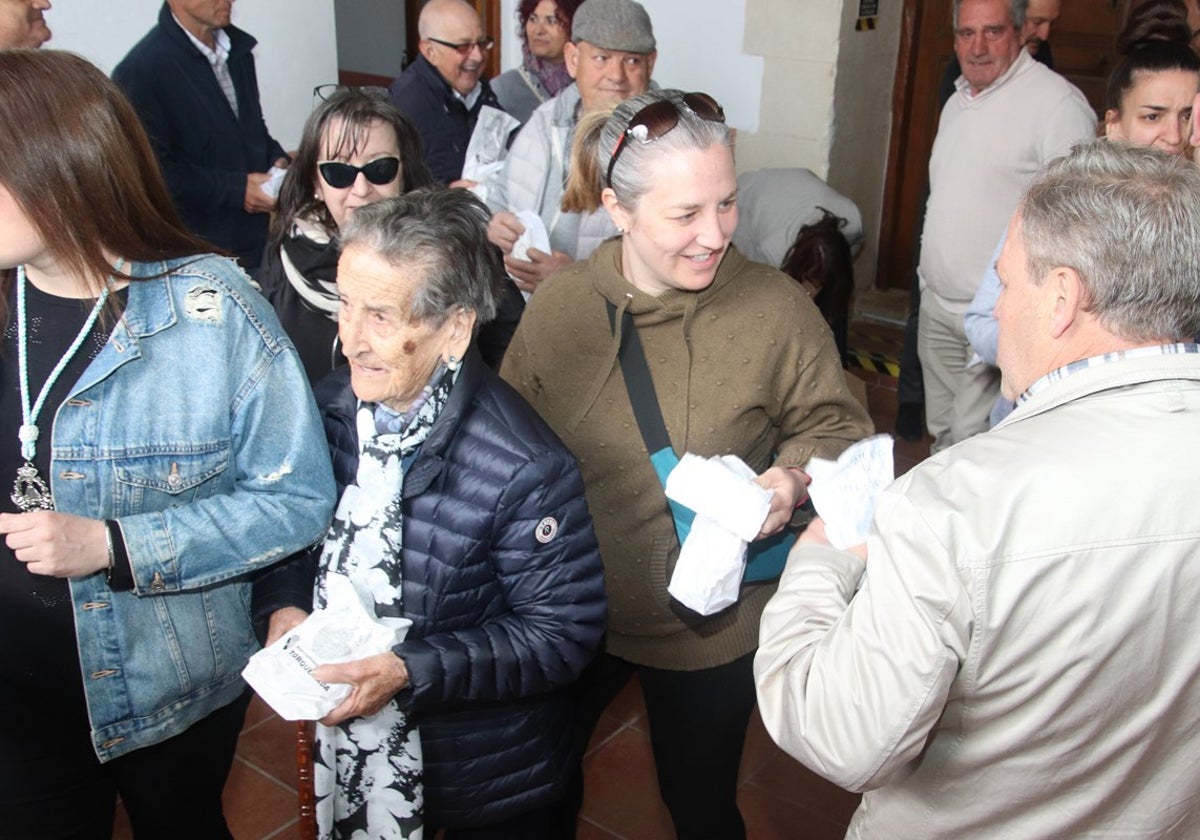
[367, 770]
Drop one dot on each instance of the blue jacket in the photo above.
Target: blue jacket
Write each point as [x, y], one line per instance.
[204, 149]
[440, 117]
[195, 430]
[502, 621]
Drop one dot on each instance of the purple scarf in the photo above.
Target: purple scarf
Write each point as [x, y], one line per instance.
[553, 77]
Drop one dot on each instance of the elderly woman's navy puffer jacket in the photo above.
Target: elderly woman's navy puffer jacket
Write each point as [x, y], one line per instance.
[503, 583]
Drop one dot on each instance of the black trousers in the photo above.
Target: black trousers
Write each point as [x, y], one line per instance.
[698, 725]
[911, 385]
[171, 790]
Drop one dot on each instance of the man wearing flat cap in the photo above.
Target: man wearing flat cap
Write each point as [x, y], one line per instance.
[610, 56]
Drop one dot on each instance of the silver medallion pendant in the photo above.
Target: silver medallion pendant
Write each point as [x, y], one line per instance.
[29, 491]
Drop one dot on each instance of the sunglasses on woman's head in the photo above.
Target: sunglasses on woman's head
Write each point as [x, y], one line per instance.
[341, 175]
[658, 118]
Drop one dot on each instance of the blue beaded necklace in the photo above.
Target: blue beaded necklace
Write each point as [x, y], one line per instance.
[30, 491]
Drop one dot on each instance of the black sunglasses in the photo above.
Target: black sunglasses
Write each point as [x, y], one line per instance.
[341, 175]
[464, 50]
[658, 118]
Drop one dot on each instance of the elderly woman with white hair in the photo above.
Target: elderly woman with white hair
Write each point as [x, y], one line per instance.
[484, 543]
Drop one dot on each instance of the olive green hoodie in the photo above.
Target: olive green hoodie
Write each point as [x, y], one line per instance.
[744, 367]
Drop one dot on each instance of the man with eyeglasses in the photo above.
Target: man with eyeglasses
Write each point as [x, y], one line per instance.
[442, 91]
[192, 81]
[611, 57]
[1008, 117]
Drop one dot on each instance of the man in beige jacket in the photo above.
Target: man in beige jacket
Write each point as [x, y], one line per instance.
[1021, 657]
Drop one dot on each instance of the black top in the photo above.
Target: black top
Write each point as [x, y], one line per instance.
[37, 625]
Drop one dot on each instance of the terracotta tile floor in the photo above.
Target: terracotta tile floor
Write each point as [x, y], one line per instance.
[779, 798]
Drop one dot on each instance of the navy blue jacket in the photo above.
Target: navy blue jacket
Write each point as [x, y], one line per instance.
[441, 118]
[503, 583]
[204, 149]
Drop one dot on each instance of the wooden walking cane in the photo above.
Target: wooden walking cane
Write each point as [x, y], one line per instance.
[304, 781]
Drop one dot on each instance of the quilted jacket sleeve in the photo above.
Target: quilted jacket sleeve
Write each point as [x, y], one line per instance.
[546, 563]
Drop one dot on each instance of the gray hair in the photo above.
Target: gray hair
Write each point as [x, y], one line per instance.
[443, 234]
[1016, 9]
[633, 175]
[1127, 220]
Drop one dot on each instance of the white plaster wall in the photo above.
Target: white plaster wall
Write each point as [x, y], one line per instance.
[771, 63]
[798, 40]
[866, 71]
[297, 48]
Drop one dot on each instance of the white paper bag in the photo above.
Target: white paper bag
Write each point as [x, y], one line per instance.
[345, 630]
[730, 510]
[844, 491]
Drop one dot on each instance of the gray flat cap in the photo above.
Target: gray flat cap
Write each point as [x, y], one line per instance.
[614, 25]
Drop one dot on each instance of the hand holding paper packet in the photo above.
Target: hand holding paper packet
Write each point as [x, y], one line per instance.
[730, 509]
[343, 631]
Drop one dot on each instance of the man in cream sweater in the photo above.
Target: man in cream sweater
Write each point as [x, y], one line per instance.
[1008, 117]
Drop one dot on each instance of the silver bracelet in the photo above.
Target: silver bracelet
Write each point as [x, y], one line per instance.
[112, 560]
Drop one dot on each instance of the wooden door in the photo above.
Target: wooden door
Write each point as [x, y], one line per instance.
[1083, 52]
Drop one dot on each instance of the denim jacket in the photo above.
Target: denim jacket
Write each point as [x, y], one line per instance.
[195, 429]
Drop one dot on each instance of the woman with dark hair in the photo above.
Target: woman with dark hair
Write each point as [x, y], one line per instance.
[668, 341]
[161, 447]
[545, 27]
[820, 261]
[1151, 89]
[357, 148]
[460, 514]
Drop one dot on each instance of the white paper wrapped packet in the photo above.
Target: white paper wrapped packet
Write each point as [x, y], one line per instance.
[535, 235]
[488, 143]
[708, 573]
[844, 491]
[730, 509]
[722, 489]
[341, 632]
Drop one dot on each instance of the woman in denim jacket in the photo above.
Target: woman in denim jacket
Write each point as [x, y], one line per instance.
[161, 446]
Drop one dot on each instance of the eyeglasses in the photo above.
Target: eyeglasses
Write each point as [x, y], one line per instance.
[341, 175]
[464, 50]
[323, 92]
[658, 118]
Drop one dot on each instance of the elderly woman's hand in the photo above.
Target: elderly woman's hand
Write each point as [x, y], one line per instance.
[375, 681]
[790, 489]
